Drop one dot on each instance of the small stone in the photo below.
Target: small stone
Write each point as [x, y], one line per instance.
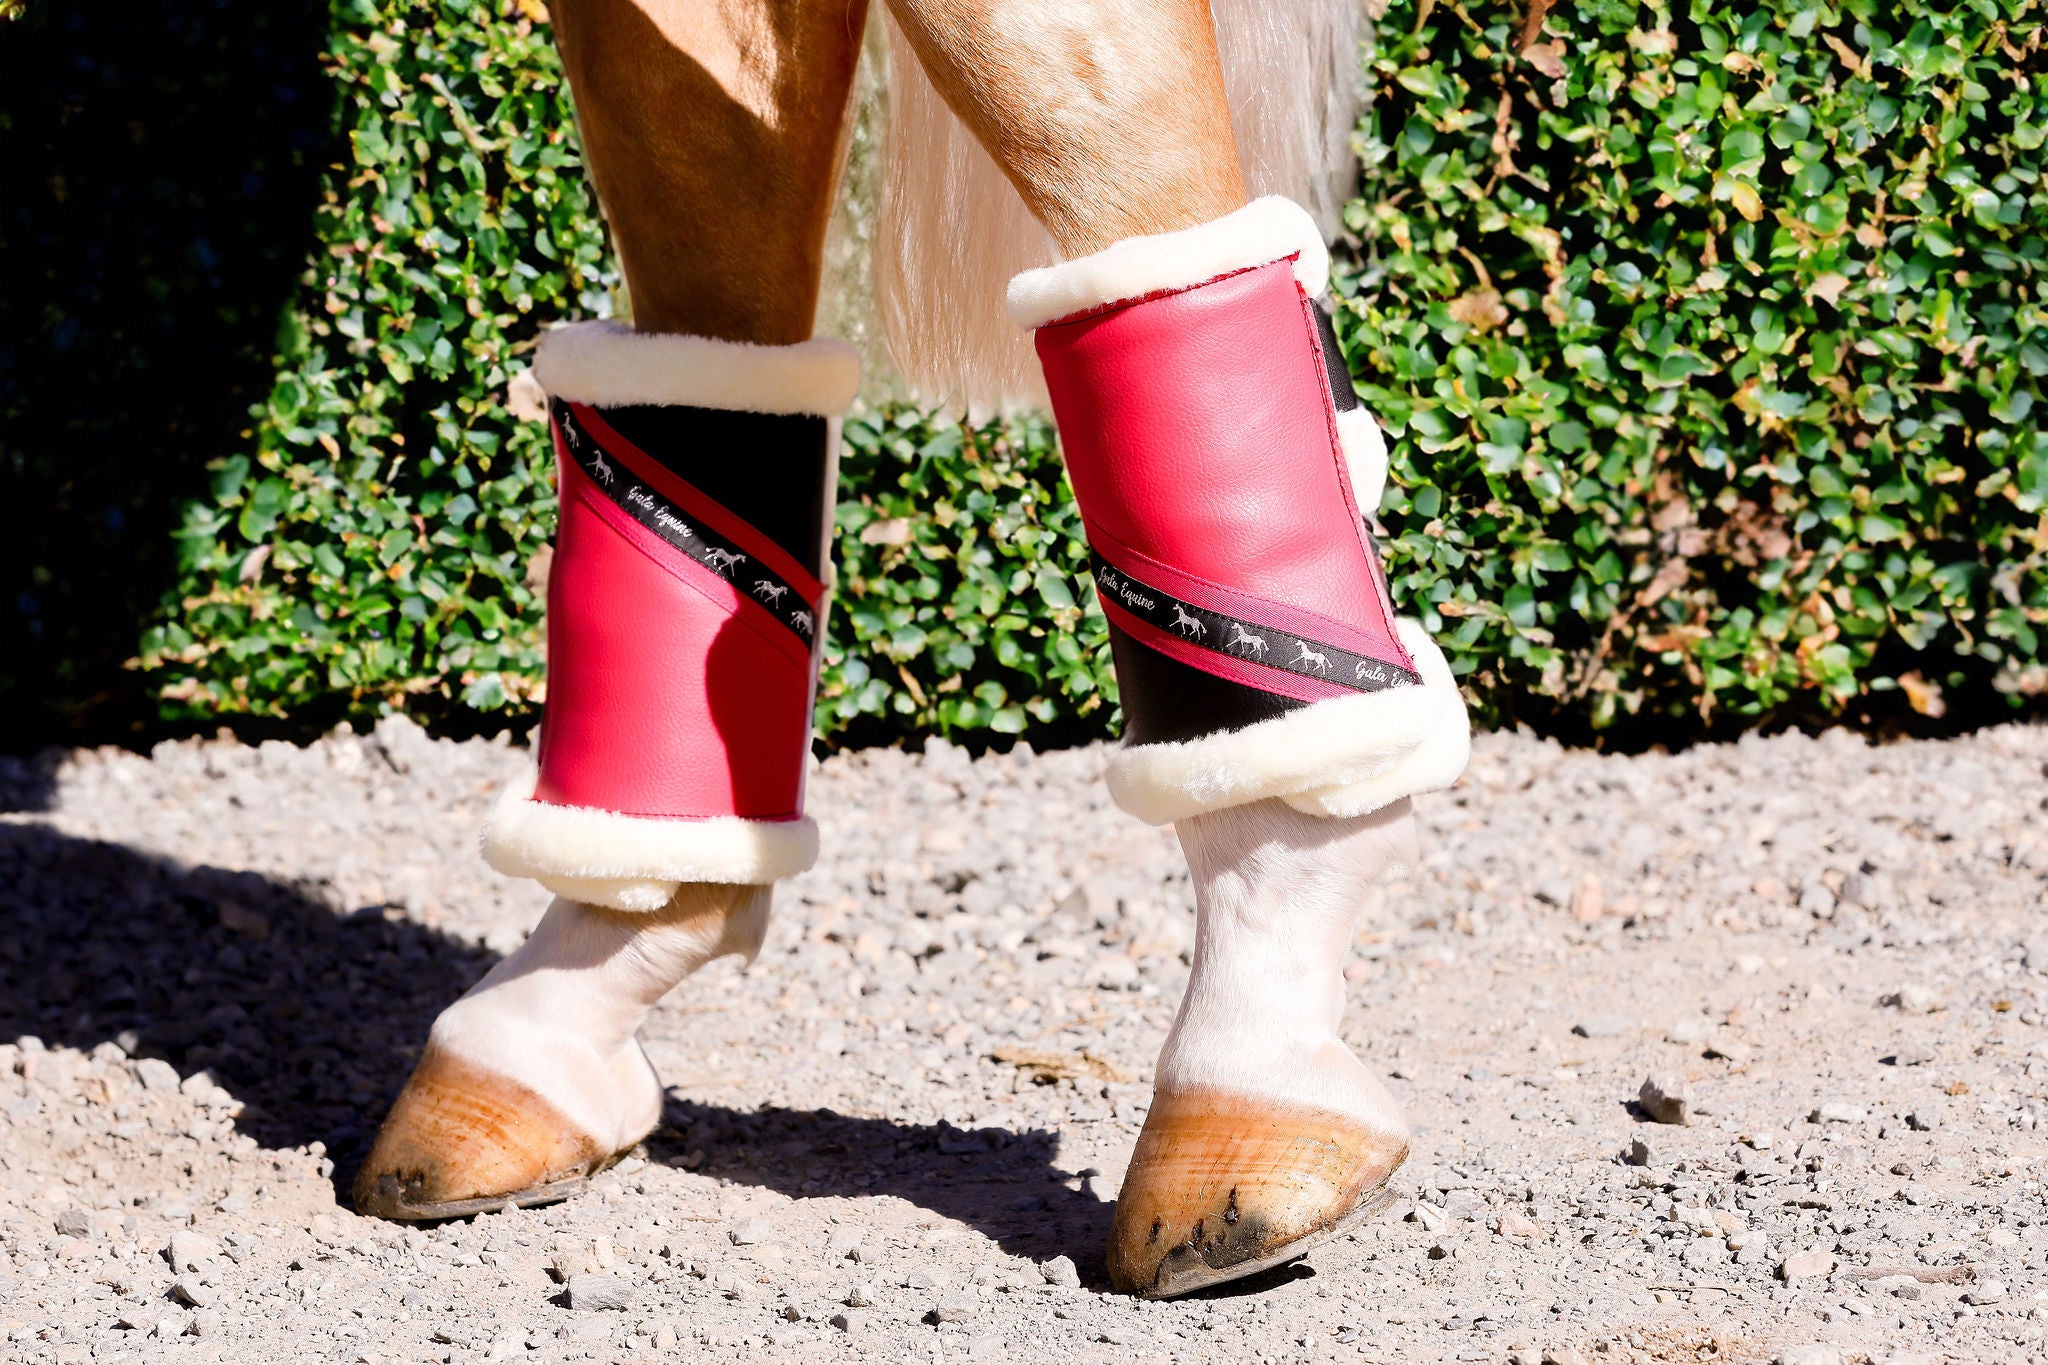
[1638, 1153]
[861, 1295]
[749, 1232]
[240, 919]
[1924, 1117]
[1914, 999]
[1690, 1031]
[1513, 1224]
[1588, 901]
[1989, 1292]
[1604, 1026]
[1060, 1271]
[188, 1289]
[75, 1222]
[1815, 1353]
[1805, 1265]
[843, 1244]
[1432, 1218]
[1839, 1111]
[849, 1322]
[157, 1074]
[599, 1291]
[957, 1307]
[186, 1250]
[1463, 1205]
[1666, 1098]
[206, 1322]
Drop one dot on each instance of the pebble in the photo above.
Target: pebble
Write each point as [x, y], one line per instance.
[1986, 1292]
[1604, 1026]
[595, 1290]
[75, 1222]
[860, 1295]
[749, 1232]
[1915, 999]
[1666, 1098]
[1805, 1265]
[1839, 1111]
[186, 1250]
[190, 1290]
[957, 1307]
[1513, 1224]
[1061, 1271]
[1924, 1117]
[157, 1074]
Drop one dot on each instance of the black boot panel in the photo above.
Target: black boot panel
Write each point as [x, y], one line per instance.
[1168, 702]
[1342, 394]
[768, 469]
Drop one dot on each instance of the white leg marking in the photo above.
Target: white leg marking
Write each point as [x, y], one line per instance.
[559, 1015]
[1277, 896]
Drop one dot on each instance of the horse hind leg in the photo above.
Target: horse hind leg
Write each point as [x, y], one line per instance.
[1265, 1133]
[713, 132]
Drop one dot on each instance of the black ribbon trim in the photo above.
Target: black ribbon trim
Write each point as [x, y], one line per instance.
[1246, 641]
[777, 595]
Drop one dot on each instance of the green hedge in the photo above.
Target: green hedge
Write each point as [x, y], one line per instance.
[1710, 349]
[1715, 347]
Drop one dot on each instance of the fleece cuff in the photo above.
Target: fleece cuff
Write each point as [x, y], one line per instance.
[1340, 758]
[607, 365]
[636, 862]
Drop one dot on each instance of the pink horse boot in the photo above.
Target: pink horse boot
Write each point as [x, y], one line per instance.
[1276, 711]
[685, 606]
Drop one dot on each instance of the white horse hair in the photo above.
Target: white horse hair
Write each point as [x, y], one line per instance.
[1277, 899]
[954, 231]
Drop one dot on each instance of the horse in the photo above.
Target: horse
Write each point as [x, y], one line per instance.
[1085, 202]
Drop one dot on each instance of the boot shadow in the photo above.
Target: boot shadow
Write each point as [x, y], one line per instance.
[1000, 1182]
[314, 1017]
[310, 1017]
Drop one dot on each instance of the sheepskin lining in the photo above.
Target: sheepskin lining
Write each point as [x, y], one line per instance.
[1339, 758]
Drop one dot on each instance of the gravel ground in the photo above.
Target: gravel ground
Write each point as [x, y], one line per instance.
[898, 1134]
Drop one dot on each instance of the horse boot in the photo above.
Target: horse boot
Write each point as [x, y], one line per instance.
[1276, 713]
[686, 601]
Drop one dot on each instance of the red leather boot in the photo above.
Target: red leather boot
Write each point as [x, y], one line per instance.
[1222, 464]
[1276, 711]
[685, 604]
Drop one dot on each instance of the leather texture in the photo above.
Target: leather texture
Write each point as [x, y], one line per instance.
[672, 690]
[1200, 437]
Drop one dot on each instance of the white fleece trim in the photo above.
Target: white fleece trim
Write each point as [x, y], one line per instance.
[633, 862]
[1339, 758]
[1365, 456]
[1263, 231]
[607, 364]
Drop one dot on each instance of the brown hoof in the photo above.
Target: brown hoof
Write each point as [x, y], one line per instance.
[1222, 1186]
[461, 1140]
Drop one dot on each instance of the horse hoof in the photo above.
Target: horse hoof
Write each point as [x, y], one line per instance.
[461, 1140]
[1222, 1186]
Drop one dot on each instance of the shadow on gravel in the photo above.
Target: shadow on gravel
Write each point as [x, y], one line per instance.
[310, 1018]
[313, 1020]
[999, 1182]
[28, 784]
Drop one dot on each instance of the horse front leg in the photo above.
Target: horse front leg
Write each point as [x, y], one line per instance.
[697, 454]
[1276, 712]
